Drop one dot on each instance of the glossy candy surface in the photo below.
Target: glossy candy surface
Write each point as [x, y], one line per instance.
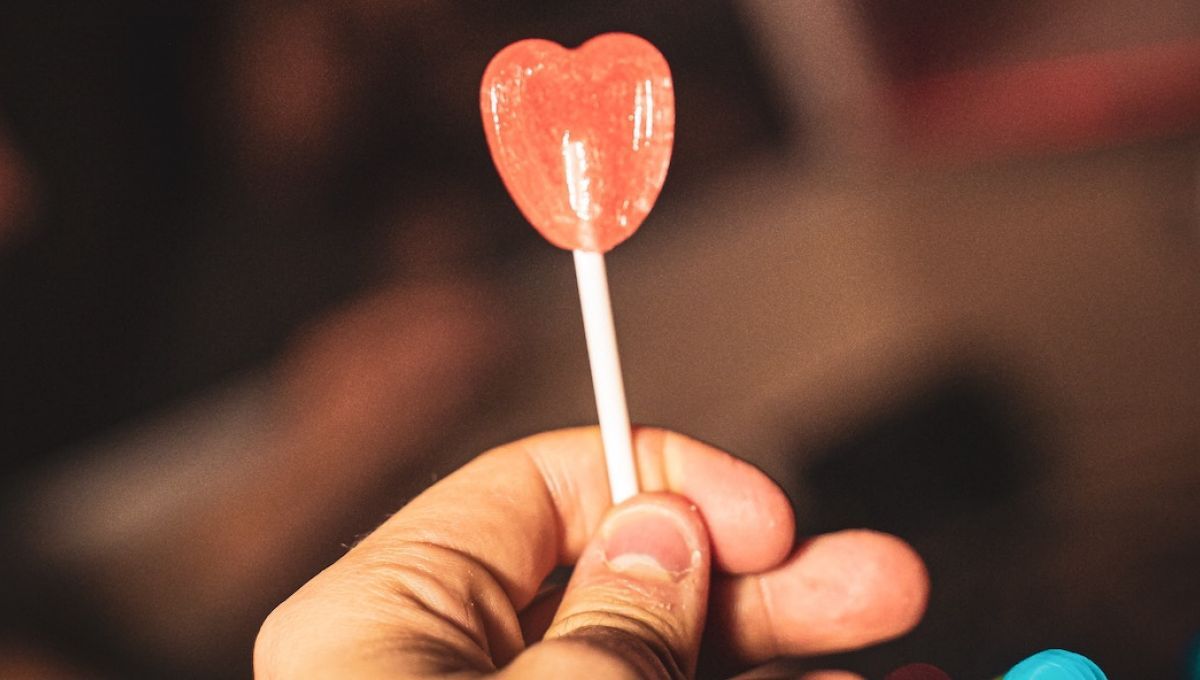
[582, 138]
[1056, 664]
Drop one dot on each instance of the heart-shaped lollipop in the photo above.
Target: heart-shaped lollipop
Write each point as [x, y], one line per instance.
[582, 138]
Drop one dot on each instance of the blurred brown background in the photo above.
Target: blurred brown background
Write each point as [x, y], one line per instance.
[933, 265]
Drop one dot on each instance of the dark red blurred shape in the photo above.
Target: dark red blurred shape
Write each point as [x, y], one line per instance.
[917, 671]
[1062, 104]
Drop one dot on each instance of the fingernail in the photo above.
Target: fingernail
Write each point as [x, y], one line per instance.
[650, 539]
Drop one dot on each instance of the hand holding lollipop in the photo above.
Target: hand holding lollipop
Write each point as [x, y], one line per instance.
[452, 585]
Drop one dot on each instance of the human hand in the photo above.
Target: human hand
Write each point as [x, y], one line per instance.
[451, 586]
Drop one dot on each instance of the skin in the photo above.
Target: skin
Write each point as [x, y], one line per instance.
[452, 585]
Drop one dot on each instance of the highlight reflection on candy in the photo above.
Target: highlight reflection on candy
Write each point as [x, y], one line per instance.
[582, 138]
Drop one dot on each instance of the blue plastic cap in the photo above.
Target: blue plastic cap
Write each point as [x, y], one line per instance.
[1056, 664]
[1192, 662]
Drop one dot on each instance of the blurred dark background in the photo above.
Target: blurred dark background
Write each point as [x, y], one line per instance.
[933, 265]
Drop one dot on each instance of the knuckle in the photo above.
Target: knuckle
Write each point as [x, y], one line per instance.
[566, 658]
[634, 636]
[436, 585]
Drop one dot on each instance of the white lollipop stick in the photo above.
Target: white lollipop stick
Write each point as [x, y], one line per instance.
[606, 374]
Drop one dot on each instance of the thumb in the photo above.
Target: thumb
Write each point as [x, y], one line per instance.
[635, 605]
